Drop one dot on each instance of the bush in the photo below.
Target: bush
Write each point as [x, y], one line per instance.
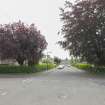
[82, 66]
[47, 61]
[57, 60]
[44, 66]
[90, 68]
[98, 70]
[24, 69]
[74, 60]
[16, 69]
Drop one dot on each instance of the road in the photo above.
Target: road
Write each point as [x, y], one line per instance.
[56, 87]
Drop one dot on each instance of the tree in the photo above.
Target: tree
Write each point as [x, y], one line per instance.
[21, 42]
[84, 30]
[57, 60]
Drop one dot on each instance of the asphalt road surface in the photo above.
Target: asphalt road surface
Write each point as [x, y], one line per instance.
[67, 86]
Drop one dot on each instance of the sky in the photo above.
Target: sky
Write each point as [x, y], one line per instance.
[45, 15]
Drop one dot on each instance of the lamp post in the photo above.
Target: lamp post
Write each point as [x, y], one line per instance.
[47, 58]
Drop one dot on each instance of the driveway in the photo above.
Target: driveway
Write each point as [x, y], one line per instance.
[67, 86]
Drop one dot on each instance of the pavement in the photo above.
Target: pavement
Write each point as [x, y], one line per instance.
[68, 86]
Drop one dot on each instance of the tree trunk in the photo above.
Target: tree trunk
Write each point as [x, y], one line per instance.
[32, 62]
[20, 61]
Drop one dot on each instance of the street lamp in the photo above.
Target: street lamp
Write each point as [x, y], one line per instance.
[47, 59]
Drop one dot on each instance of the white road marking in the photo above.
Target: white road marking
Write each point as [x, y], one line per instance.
[4, 93]
[27, 81]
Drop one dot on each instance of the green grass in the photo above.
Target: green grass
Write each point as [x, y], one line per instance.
[6, 69]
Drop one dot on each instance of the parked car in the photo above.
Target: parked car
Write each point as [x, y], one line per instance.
[60, 67]
[68, 65]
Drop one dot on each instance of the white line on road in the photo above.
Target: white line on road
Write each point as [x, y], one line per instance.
[3, 92]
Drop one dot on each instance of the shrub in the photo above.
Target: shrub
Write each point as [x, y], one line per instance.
[57, 60]
[90, 68]
[83, 66]
[44, 66]
[16, 69]
[47, 61]
[25, 69]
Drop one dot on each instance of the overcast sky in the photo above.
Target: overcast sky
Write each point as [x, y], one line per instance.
[44, 13]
